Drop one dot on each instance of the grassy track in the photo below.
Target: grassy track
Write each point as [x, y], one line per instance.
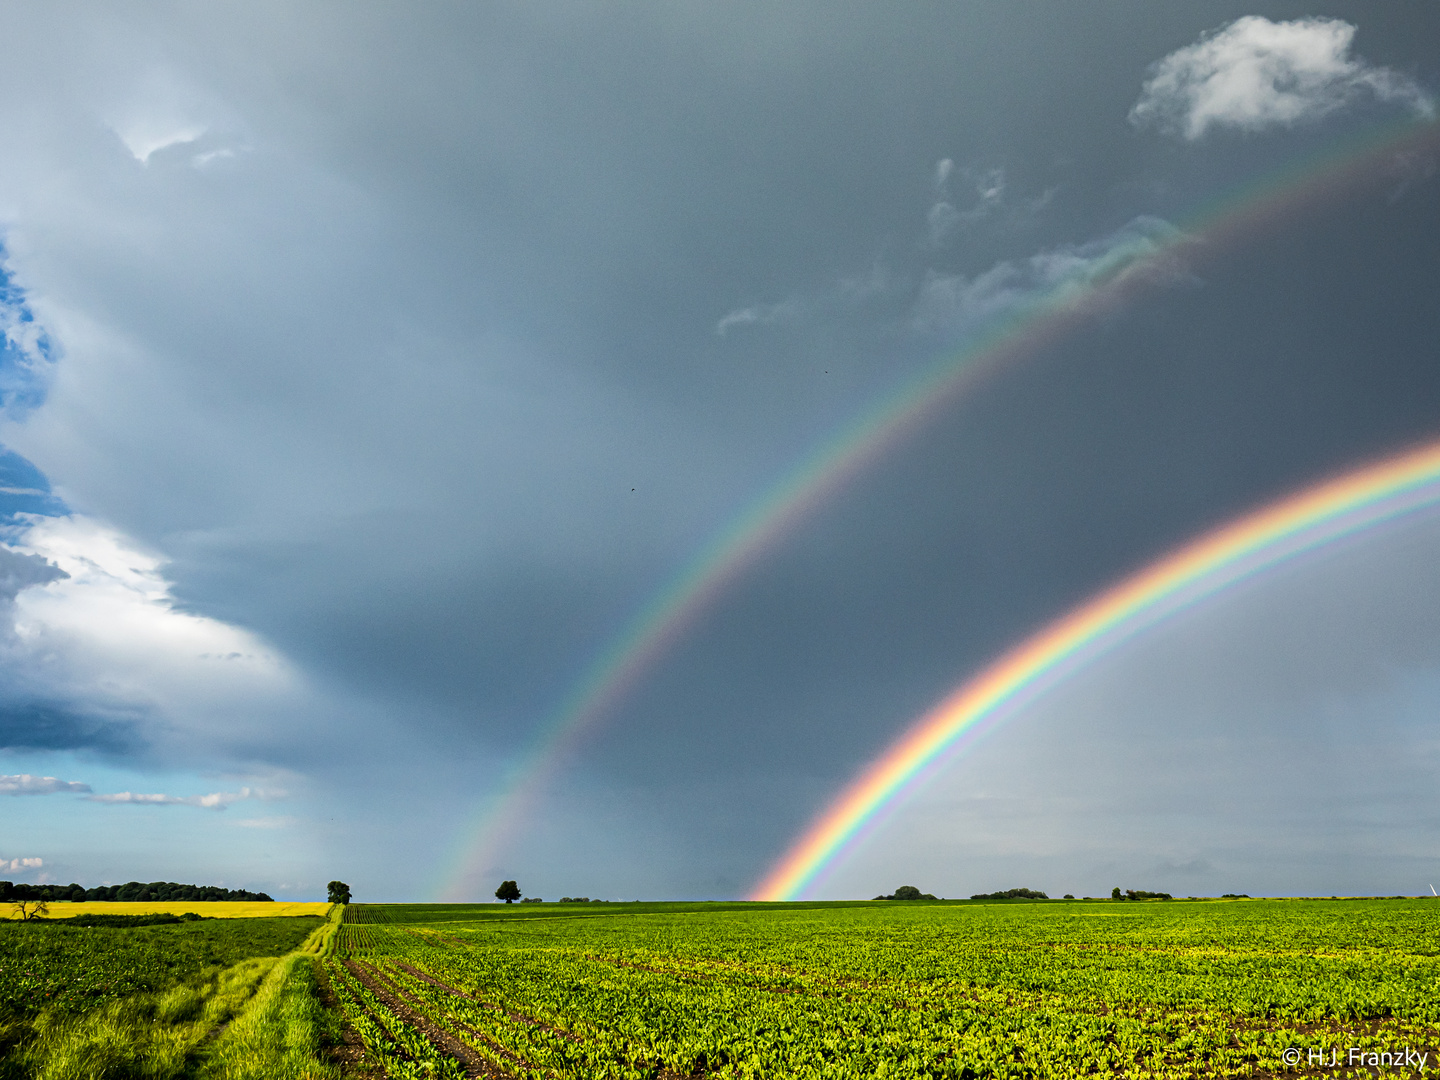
[282, 1033]
[895, 990]
[63, 969]
[208, 999]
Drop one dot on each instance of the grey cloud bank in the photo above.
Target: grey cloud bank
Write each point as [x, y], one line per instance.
[398, 357]
[1274, 740]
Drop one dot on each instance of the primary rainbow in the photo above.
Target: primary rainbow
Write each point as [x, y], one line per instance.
[1046, 319]
[1302, 522]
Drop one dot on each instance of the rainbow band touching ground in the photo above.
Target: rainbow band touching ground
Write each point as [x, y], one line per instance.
[1302, 522]
[1128, 269]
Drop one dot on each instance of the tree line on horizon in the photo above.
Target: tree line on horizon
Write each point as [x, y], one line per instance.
[509, 891]
[908, 892]
[131, 892]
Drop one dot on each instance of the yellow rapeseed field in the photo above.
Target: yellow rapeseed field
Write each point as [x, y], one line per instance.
[220, 909]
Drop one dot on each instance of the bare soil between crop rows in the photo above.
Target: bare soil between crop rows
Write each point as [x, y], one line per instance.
[473, 1064]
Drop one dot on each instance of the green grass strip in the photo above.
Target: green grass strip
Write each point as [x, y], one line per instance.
[269, 1021]
[143, 1037]
[281, 1034]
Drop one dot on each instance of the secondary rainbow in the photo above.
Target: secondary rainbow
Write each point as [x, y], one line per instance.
[1302, 522]
[1129, 266]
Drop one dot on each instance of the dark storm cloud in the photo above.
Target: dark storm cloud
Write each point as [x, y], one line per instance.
[19, 571]
[395, 331]
[31, 725]
[1068, 472]
[47, 725]
[1277, 739]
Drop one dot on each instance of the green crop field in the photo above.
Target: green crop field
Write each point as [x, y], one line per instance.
[113, 1002]
[48, 965]
[677, 991]
[1098, 989]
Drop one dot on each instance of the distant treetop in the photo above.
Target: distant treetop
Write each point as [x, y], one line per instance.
[907, 892]
[131, 891]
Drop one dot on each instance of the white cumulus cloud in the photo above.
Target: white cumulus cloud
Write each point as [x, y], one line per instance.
[1254, 73]
[952, 303]
[21, 864]
[25, 784]
[163, 109]
[944, 218]
[93, 629]
[145, 136]
[218, 800]
[758, 314]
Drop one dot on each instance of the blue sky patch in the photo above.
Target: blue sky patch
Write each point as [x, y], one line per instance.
[24, 489]
[26, 351]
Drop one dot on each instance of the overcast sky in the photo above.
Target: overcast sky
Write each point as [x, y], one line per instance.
[369, 367]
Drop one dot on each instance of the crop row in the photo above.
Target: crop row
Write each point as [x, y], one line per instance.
[400, 1049]
[919, 992]
[629, 1022]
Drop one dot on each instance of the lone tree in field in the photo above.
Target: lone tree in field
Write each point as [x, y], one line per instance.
[339, 892]
[31, 909]
[508, 891]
